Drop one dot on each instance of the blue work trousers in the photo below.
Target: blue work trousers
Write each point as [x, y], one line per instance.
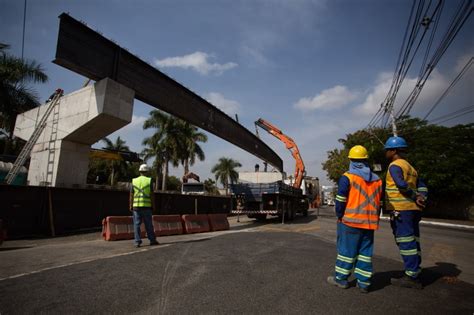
[354, 252]
[406, 229]
[143, 215]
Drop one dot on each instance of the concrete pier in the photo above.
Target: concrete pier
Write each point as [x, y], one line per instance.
[60, 157]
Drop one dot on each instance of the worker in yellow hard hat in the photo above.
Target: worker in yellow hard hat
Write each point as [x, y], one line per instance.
[357, 208]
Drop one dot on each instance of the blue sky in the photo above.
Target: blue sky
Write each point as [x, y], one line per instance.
[317, 69]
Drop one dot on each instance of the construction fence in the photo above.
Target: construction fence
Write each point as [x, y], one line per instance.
[48, 211]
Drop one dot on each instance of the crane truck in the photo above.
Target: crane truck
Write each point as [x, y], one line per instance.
[260, 194]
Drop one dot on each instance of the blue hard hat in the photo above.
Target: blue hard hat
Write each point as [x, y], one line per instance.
[395, 143]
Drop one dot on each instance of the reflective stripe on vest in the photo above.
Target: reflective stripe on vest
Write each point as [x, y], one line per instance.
[141, 191]
[394, 199]
[363, 203]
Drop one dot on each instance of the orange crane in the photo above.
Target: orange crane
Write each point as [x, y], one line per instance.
[290, 145]
[190, 175]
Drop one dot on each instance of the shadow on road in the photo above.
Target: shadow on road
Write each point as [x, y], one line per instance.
[4, 249]
[446, 271]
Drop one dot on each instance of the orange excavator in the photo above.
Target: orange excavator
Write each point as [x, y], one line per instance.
[290, 145]
[190, 175]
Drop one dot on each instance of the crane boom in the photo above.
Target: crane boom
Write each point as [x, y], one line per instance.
[290, 145]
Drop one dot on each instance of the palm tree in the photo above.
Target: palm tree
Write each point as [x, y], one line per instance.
[190, 149]
[225, 171]
[210, 186]
[154, 149]
[117, 167]
[15, 96]
[164, 144]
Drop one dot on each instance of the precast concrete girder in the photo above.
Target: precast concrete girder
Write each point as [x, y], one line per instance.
[90, 54]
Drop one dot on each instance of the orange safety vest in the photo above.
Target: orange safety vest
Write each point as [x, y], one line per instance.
[363, 203]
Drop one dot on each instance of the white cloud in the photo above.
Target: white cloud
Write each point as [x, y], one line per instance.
[137, 122]
[230, 107]
[432, 89]
[333, 98]
[462, 61]
[198, 61]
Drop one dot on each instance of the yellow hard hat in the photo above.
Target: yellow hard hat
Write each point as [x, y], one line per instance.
[358, 152]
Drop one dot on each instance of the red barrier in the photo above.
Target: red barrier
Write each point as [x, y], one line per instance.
[196, 223]
[119, 228]
[218, 222]
[167, 225]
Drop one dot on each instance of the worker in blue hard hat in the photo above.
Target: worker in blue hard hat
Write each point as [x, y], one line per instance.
[405, 196]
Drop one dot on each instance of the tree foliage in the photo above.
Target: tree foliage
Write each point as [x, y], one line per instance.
[210, 186]
[443, 156]
[16, 96]
[225, 172]
[174, 141]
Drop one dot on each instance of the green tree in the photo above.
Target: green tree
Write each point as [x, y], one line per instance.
[174, 184]
[16, 96]
[154, 150]
[211, 187]
[225, 172]
[118, 168]
[174, 141]
[164, 144]
[443, 157]
[189, 147]
[336, 164]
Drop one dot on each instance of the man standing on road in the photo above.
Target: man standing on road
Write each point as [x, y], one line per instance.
[357, 209]
[405, 196]
[141, 204]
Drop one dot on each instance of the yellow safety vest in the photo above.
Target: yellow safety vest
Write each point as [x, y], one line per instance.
[394, 199]
[141, 191]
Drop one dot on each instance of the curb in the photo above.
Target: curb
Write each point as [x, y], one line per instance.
[441, 224]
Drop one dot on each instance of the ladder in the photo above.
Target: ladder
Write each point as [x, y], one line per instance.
[25, 152]
[52, 146]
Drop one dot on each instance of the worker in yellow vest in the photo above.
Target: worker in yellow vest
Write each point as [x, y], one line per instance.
[357, 209]
[405, 196]
[141, 204]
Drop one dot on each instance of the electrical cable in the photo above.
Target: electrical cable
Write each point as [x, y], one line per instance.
[448, 89]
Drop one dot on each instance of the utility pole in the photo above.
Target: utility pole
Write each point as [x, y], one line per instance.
[394, 126]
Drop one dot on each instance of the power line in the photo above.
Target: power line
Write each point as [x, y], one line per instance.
[24, 26]
[457, 22]
[456, 113]
[455, 81]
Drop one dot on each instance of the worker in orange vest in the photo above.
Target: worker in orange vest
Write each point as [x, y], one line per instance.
[357, 208]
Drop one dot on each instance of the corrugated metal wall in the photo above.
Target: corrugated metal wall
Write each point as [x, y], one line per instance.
[25, 210]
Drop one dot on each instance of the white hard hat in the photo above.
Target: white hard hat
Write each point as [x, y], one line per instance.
[143, 168]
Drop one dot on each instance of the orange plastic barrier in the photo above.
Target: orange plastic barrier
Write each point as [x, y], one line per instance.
[167, 225]
[119, 228]
[196, 223]
[218, 222]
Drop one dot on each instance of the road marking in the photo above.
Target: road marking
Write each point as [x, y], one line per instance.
[82, 262]
[308, 229]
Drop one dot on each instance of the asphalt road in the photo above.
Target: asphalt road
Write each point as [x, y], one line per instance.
[252, 269]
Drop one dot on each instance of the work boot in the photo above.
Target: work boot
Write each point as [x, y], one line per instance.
[334, 281]
[407, 282]
[154, 243]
